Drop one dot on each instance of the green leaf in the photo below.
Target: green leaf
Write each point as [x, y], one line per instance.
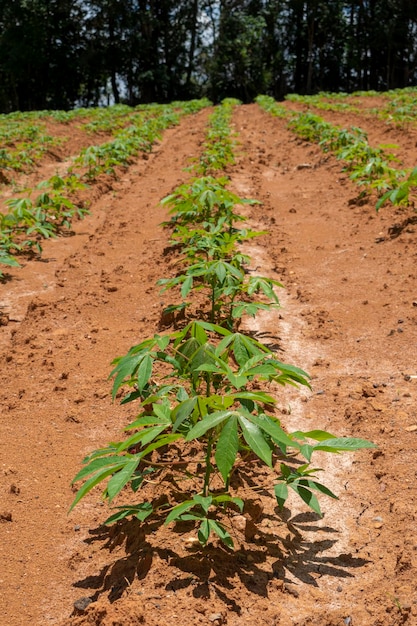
[144, 437]
[210, 421]
[255, 396]
[224, 498]
[140, 511]
[312, 484]
[144, 372]
[307, 496]
[96, 479]
[121, 478]
[221, 532]
[95, 465]
[270, 426]
[203, 501]
[162, 341]
[227, 447]
[240, 351]
[182, 411]
[9, 260]
[318, 435]
[178, 510]
[204, 532]
[281, 493]
[186, 286]
[255, 440]
[345, 444]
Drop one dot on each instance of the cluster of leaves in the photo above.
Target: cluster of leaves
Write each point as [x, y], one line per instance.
[30, 219]
[109, 119]
[145, 128]
[369, 167]
[218, 148]
[272, 107]
[400, 109]
[23, 143]
[325, 101]
[202, 410]
[204, 214]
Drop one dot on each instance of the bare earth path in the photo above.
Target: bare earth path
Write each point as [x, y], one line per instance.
[349, 317]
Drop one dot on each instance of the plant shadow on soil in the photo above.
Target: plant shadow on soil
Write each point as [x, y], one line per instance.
[263, 557]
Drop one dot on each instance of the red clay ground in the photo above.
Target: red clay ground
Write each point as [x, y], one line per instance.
[349, 317]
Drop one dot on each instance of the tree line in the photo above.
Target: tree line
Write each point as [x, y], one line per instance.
[57, 54]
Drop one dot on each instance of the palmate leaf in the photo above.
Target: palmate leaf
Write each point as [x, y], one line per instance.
[97, 464]
[203, 501]
[249, 308]
[227, 447]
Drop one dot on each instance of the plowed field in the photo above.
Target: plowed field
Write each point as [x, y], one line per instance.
[348, 317]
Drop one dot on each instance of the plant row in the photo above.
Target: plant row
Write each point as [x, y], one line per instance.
[369, 167]
[399, 108]
[50, 207]
[206, 391]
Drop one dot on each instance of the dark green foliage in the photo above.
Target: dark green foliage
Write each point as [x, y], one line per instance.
[62, 53]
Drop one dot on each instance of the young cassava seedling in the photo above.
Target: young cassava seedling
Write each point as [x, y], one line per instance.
[205, 396]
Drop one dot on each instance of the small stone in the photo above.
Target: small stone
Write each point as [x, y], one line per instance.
[411, 429]
[5, 516]
[77, 528]
[216, 617]
[81, 604]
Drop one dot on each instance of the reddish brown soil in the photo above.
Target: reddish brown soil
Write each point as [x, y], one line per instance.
[349, 317]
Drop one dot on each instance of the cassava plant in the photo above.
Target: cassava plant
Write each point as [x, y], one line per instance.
[206, 405]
